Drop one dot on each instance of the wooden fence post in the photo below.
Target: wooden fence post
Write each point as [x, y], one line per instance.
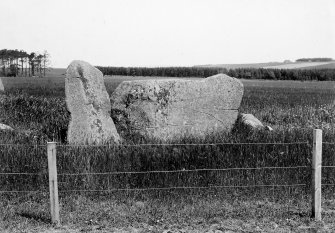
[316, 174]
[53, 185]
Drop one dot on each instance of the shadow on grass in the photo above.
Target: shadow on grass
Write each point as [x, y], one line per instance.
[35, 216]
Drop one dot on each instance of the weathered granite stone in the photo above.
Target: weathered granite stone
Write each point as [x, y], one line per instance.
[88, 102]
[252, 123]
[170, 108]
[5, 127]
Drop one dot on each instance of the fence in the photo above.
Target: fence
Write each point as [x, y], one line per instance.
[165, 167]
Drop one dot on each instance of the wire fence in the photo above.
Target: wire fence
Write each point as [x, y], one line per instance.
[159, 167]
[328, 169]
[271, 170]
[24, 168]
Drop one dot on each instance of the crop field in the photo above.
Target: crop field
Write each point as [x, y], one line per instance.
[303, 65]
[36, 109]
[278, 65]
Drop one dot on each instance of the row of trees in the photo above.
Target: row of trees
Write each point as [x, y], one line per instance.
[241, 73]
[20, 63]
[161, 71]
[316, 59]
[284, 74]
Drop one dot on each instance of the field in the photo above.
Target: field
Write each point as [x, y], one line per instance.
[245, 65]
[303, 65]
[37, 111]
[277, 65]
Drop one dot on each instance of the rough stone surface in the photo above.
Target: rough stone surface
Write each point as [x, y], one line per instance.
[170, 108]
[268, 128]
[5, 127]
[251, 121]
[88, 102]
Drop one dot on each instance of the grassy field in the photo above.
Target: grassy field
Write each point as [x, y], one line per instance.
[287, 105]
[169, 213]
[326, 66]
[277, 65]
[37, 111]
[243, 65]
[303, 65]
[54, 86]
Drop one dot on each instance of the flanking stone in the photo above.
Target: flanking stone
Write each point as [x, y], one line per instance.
[5, 127]
[170, 108]
[252, 123]
[88, 102]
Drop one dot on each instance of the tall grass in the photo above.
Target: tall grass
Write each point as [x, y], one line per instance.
[162, 166]
[292, 112]
[37, 118]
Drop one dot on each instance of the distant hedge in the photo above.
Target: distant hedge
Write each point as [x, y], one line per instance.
[162, 71]
[317, 59]
[241, 73]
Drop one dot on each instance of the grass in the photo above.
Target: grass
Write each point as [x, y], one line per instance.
[52, 86]
[170, 213]
[285, 105]
[303, 65]
[277, 65]
[293, 109]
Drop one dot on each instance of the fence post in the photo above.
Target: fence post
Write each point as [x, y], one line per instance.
[53, 185]
[316, 174]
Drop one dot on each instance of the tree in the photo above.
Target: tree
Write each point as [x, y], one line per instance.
[46, 61]
[19, 62]
[31, 68]
[38, 62]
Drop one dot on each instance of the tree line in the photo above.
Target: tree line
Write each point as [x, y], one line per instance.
[20, 63]
[161, 71]
[240, 73]
[317, 59]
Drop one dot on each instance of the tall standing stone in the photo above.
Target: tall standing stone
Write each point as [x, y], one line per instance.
[89, 104]
[2, 88]
[169, 108]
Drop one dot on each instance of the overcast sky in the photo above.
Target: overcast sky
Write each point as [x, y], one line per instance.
[169, 32]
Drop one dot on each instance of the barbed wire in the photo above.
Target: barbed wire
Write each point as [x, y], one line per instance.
[166, 144]
[181, 187]
[156, 171]
[329, 143]
[162, 188]
[158, 144]
[176, 171]
[25, 145]
[22, 173]
[157, 188]
[24, 191]
[187, 144]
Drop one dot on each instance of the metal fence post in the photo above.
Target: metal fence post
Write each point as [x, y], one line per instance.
[53, 186]
[316, 174]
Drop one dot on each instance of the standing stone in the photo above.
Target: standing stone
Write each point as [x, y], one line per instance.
[170, 108]
[88, 102]
[2, 88]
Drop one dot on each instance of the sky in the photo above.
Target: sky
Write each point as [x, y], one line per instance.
[169, 32]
